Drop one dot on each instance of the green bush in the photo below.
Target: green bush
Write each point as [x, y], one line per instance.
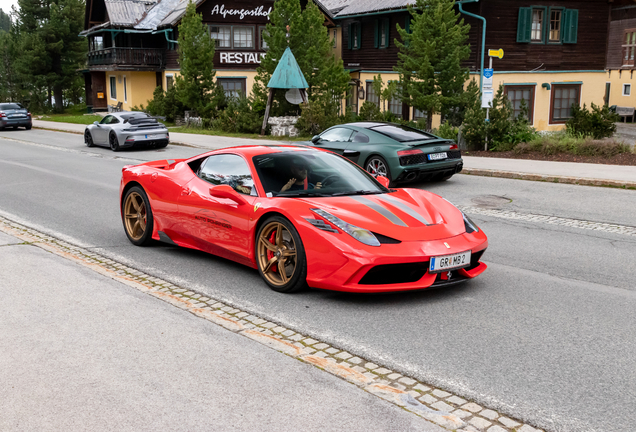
[563, 142]
[370, 111]
[447, 130]
[598, 122]
[238, 116]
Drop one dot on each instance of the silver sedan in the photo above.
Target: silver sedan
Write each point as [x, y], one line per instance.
[127, 129]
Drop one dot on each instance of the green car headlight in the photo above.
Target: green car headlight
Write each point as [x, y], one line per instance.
[360, 234]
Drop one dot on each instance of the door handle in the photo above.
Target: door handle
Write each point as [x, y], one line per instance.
[185, 191]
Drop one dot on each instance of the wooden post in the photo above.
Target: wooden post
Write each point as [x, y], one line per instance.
[270, 98]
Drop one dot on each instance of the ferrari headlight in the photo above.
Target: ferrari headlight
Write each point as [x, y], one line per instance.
[360, 234]
[469, 224]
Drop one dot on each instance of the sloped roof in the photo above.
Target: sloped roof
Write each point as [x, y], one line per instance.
[340, 8]
[127, 12]
[287, 74]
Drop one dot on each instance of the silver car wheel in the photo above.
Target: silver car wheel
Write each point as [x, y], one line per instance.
[377, 167]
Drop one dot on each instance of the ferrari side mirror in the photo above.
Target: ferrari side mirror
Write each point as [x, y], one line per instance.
[315, 139]
[226, 192]
[383, 181]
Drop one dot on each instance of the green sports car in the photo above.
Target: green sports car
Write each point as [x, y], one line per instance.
[400, 153]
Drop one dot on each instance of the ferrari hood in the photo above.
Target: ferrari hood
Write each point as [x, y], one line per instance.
[405, 215]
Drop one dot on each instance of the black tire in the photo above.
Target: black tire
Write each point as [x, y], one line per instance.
[15, 128]
[88, 139]
[376, 165]
[137, 216]
[114, 143]
[281, 251]
[28, 127]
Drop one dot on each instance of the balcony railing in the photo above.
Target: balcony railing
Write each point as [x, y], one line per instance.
[151, 57]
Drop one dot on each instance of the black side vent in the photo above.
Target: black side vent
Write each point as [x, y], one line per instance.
[322, 225]
[385, 240]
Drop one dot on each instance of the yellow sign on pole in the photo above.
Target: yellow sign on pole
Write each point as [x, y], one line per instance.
[496, 53]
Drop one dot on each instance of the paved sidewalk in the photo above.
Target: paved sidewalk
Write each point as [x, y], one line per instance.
[558, 172]
[81, 351]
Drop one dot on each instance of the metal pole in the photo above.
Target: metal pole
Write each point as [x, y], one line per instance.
[460, 3]
[488, 111]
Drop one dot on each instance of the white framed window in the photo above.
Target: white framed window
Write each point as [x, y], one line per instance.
[125, 90]
[243, 37]
[627, 89]
[222, 35]
[113, 87]
[262, 42]
[169, 81]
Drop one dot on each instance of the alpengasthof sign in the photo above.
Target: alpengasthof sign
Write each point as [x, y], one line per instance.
[242, 13]
[241, 57]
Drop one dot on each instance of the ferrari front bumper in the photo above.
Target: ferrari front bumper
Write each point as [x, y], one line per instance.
[402, 267]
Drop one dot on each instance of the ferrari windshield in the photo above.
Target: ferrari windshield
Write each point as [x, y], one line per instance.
[313, 173]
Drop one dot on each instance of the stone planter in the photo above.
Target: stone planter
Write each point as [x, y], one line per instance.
[283, 126]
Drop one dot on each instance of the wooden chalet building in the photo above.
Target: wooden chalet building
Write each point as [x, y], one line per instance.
[555, 50]
[132, 46]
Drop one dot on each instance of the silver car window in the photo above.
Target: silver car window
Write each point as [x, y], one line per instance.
[229, 170]
[337, 134]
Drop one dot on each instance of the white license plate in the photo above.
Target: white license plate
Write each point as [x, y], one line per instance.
[437, 156]
[156, 136]
[449, 262]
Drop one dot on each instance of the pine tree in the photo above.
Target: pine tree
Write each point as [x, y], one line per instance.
[303, 31]
[430, 57]
[5, 21]
[195, 86]
[51, 51]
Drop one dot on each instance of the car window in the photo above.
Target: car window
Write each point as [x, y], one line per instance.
[11, 106]
[359, 137]
[106, 120]
[229, 170]
[337, 134]
[402, 133]
[326, 174]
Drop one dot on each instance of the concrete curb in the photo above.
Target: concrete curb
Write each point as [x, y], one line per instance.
[550, 178]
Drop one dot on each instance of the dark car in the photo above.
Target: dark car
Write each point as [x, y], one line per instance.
[400, 153]
[14, 115]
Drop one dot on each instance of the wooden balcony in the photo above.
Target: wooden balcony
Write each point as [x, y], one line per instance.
[127, 58]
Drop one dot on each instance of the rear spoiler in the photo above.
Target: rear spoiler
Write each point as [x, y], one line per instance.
[161, 164]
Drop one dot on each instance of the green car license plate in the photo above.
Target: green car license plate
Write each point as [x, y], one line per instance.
[437, 156]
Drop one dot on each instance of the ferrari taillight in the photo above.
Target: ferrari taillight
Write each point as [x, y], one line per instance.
[453, 147]
[409, 152]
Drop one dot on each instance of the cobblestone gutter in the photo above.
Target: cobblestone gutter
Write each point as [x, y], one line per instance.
[436, 405]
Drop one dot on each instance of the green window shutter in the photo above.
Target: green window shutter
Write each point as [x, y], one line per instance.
[407, 27]
[376, 37]
[387, 28]
[524, 26]
[570, 25]
[359, 29]
[350, 36]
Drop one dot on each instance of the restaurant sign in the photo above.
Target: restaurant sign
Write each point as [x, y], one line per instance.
[242, 13]
[241, 57]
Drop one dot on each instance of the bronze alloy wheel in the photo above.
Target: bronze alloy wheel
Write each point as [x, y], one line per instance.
[280, 255]
[135, 216]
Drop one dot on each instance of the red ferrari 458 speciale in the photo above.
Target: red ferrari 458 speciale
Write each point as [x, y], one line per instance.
[302, 216]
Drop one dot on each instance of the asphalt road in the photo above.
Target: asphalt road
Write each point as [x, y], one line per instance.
[546, 334]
